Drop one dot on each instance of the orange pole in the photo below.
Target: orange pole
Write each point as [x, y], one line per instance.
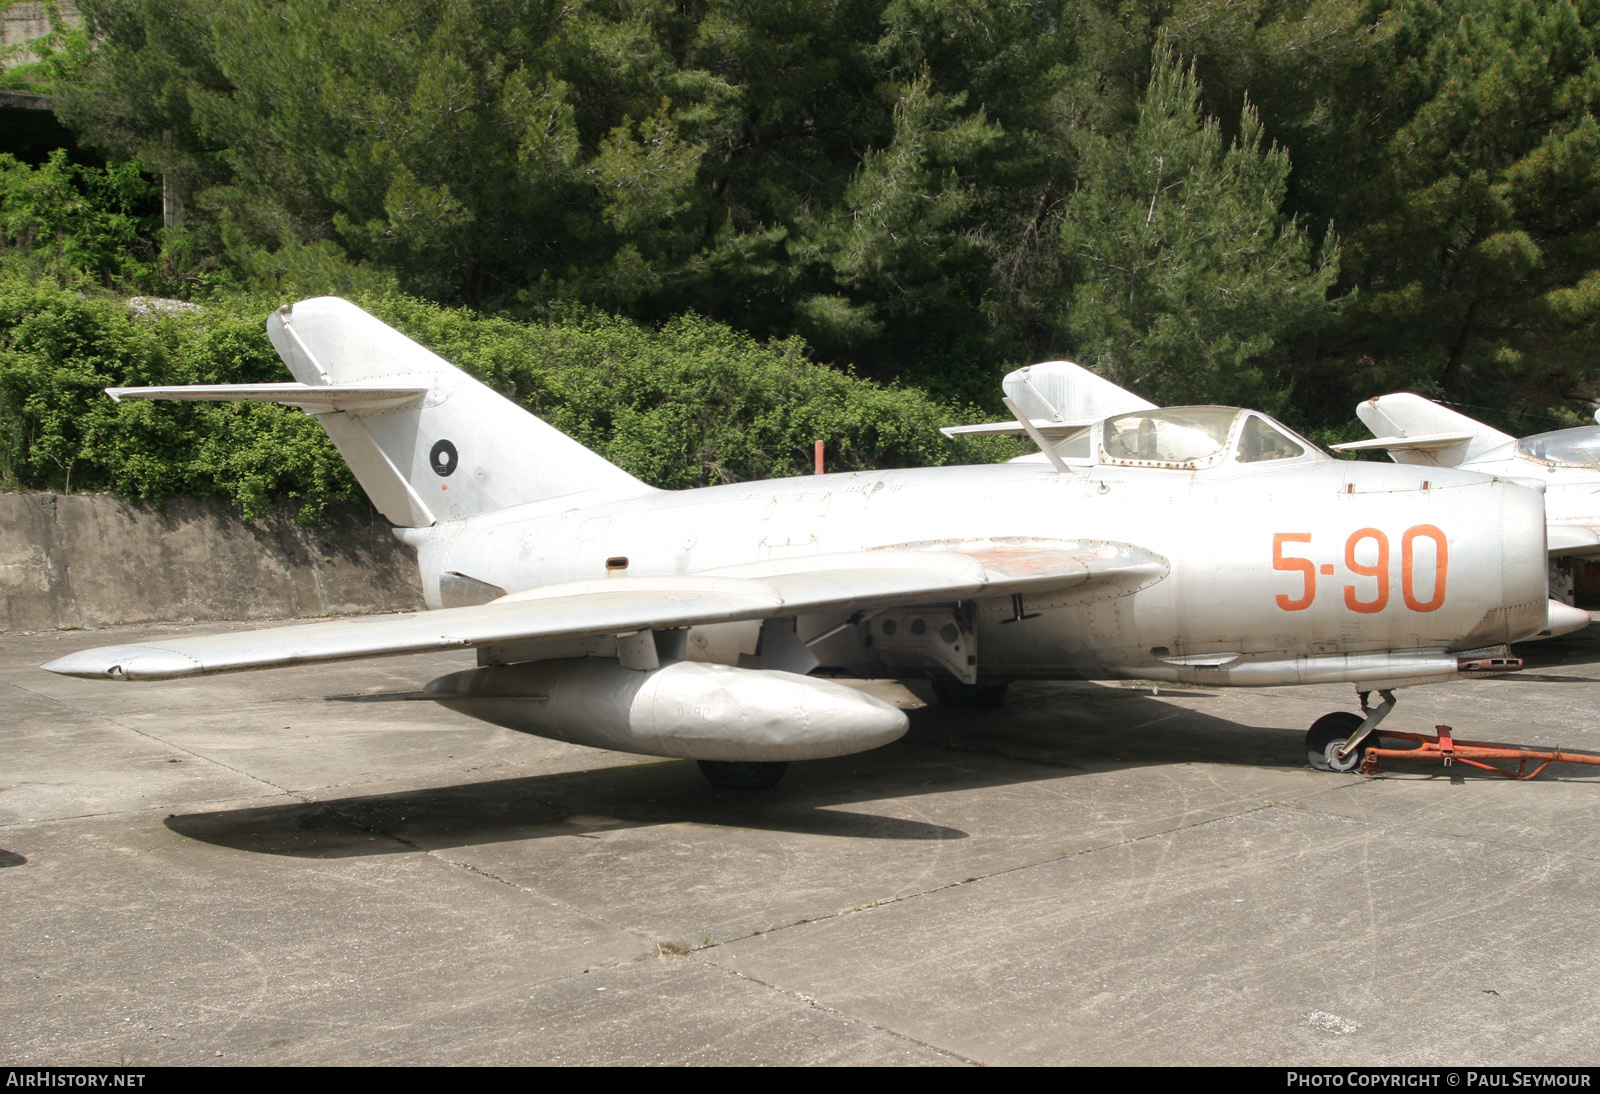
[817, 458]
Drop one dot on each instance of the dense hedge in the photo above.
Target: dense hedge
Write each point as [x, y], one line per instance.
[689, 404]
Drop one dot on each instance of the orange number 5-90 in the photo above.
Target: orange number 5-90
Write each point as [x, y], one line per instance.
[1378, 570]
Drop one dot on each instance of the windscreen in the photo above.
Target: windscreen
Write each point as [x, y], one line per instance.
[1260, 441]
[1568, 447]
[1184, 436]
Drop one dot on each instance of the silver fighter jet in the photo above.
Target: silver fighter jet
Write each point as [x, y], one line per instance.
[1205, 545]
[1565, 463]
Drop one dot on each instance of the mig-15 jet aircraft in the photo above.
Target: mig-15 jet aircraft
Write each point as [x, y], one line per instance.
[1205, 545]
[1422, 433]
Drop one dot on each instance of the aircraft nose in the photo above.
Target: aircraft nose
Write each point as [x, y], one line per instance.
[1524, 568]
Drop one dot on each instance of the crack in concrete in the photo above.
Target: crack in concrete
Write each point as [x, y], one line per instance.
[835, 1012]
[892, 900]
[490, 876]
[704, 952]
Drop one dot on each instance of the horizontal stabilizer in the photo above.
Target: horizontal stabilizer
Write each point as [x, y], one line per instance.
[313, 398]
[1016, 429]
[1058, 397]
[1426, 442]
[919, 574]
[1568, 539]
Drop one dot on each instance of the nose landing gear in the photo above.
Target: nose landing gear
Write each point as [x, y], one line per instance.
[1344, 741]
[1328, 735]
[1339, 741]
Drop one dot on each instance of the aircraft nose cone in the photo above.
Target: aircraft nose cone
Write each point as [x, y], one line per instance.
[1564, 619]
[1524, 567]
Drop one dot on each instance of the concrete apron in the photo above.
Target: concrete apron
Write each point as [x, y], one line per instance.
[280, 867]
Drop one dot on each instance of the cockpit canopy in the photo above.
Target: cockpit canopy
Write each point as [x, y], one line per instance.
[1565, 447]
[1188, 438]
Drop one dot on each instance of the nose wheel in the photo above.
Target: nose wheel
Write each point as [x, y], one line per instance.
[1328, 735]
[1339, 741]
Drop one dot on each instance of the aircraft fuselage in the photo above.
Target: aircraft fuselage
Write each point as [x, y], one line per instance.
[1269, 574]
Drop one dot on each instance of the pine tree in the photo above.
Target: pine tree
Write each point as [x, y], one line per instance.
[1474, 236]
[1187, 273]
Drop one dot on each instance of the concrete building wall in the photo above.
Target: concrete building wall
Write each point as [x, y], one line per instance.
[89, 560]
[27, 21]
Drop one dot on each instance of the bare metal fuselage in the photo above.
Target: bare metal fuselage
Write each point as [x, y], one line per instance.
[1273, 574]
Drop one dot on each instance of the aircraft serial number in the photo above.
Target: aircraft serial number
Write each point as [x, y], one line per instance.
[1374, 597]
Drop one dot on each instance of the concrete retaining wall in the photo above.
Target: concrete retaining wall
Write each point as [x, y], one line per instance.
[89, 560]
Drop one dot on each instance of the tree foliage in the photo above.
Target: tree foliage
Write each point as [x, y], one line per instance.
[928, 192]
[691, 404]
[79, 225]
[1188, 274]
[37, 64]
[1477, 235]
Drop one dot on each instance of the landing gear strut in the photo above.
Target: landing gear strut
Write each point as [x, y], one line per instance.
[1339, 741]
[743, 775]
[953, 693]
[1343, 741]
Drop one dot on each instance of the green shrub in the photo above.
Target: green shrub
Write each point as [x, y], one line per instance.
[79, 226]
[691, 404]
[59, 350]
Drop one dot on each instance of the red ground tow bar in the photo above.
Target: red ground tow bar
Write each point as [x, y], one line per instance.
[1446, 748]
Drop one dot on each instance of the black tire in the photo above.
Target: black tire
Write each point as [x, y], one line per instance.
[953, 693]
[743, 774]
[1327, 734]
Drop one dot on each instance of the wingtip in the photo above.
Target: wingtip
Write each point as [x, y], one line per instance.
[123, 663]
[86, 665]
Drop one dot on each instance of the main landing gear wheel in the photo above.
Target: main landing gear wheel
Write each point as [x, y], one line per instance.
[1328, 734]
[953, 693]
[743, 774]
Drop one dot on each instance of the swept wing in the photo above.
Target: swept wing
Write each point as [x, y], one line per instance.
[846, 581]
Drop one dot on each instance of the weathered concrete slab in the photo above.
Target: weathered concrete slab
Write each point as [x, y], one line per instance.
[91, 560]
[1177, 949]
[284, 867]
[220, 951]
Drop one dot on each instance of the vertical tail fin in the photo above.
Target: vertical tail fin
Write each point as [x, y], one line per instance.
[456, 450]
[1064, 392]
[1055, 393]
[1417, 430]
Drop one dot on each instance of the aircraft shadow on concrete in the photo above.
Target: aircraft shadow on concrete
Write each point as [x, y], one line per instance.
[1045, 732]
